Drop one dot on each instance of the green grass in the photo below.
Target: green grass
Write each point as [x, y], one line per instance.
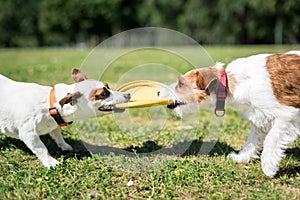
[172, 174]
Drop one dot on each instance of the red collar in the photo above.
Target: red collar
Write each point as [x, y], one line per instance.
[53, 110]
[221, 95]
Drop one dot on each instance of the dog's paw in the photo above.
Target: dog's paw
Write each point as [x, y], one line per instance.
[239, 157]
[269, 171]
[66, 147]
[269, 168]
[49, 162]
[269, 165]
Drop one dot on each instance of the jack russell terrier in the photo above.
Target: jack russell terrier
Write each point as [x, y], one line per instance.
[28, 110]
[264, 88]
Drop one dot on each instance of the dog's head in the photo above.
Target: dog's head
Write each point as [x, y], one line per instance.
[193, 89]
[92, 98]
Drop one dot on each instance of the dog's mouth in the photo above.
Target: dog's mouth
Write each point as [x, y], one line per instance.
[175, 104]
[110, 108]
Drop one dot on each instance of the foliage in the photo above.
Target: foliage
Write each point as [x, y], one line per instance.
[85, 176]
[57, 22]
[91, 17]
[19, 23]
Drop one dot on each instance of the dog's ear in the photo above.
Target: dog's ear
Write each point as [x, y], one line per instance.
[207, 79]
[199, 80]
[212, 85]
[70, 98]
[77, 75]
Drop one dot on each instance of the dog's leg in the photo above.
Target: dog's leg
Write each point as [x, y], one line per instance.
[34, 143]
[280, 136]
[251, 148]
[56, 135]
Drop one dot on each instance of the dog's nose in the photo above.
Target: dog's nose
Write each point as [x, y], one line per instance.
[158, 93]
[127, 96]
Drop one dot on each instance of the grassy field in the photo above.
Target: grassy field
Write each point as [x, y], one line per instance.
[123, 167]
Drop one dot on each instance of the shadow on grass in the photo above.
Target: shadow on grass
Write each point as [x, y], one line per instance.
[82, 149]
[186, 148]
[195, 147]
[79, 151]
[290, 170]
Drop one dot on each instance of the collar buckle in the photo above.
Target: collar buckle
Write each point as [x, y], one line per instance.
[57, 117]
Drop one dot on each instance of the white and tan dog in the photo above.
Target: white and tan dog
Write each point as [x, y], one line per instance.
[25, 113]
[265, 88]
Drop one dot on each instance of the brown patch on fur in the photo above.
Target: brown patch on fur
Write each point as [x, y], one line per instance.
[98, 94]
[70, 98]
[187, 87]
[201, 78]
[195, 85]
[284, 70]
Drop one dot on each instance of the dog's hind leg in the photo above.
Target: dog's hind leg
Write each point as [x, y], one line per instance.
[251, 148]
[56, 135]
[34, 143]
[280, 136]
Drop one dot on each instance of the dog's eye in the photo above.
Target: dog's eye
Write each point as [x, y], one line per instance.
[99, 94]
[180, 84]
[104, 94]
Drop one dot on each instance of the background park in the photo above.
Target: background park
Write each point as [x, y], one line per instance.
[41, 41]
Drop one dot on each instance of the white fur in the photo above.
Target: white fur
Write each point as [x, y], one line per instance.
[24, 112]
[274, 126]
[219, 65]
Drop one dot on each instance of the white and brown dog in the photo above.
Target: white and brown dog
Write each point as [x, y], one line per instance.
[28, 110]
[264, 88]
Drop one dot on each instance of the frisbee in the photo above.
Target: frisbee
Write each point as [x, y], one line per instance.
[144, 93]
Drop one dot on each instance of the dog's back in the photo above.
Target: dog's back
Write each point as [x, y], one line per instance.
[20, 101]
[264, 76]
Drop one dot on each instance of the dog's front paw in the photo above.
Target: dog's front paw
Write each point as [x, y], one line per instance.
[269, 165]
[239, 157]
[66, 147]
[49, 162]
[269, 170]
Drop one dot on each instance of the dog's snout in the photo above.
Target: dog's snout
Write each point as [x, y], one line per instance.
[127, 95]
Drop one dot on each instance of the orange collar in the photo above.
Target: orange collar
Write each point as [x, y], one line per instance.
[53, 110]
[52, 97]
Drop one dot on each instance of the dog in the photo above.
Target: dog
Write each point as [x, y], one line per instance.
[264, 88]
[28, 110]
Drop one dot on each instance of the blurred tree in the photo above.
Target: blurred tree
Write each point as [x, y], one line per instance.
[71, 21]
[162, 13]
[59, 22]
[199, 19]
[19, 23]
[91, 21]
[243, 22]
